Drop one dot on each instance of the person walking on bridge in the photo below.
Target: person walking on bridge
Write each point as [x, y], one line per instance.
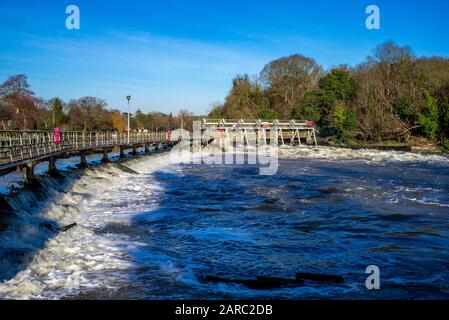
[57, 135]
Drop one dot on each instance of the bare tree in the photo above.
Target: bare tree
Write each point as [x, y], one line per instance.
[17, 84]
[289, 78]
[90, 112]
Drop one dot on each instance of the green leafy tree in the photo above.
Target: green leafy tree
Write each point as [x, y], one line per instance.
[335, 87]
[58, 117]
[344, 120]
[142, 120]
[404, 108]
[350, 120]
[429, 119]
[444, 121]
[309, 108]
[268, 114]
[338, 84]
[339, 117]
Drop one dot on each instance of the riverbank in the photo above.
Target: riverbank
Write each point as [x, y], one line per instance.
[414, 146]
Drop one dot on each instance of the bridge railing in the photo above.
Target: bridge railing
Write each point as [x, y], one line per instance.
[259, 130]
[21, 145]
[258, 123]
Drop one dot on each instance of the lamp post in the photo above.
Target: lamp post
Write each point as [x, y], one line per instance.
[129, 110]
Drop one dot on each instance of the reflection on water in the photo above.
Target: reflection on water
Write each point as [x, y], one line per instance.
[154, 234]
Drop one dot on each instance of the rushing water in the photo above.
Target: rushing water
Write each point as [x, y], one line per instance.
[153, 234]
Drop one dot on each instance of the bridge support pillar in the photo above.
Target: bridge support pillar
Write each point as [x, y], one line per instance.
[122, 152]
[83, 161]
[147, 150]
[52, 166]
[134, 150]
[29, 172]
[105, 158]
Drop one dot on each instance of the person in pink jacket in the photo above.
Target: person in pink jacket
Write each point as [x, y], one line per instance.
[57, 135]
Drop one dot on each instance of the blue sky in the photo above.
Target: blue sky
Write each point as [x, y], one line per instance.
[170, 55]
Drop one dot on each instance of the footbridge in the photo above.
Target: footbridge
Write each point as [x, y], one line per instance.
[24, 149]
[260, 132]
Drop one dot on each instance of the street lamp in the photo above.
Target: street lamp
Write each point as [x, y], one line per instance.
[129, 110]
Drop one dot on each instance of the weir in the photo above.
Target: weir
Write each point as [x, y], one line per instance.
[261, 132]
[24, 149]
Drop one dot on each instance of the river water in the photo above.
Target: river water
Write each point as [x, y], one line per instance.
[154, 233]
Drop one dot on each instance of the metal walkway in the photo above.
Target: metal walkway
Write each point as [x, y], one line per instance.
[259, 131]
[27, 148]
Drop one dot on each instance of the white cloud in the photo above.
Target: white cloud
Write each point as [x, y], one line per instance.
[156, 66]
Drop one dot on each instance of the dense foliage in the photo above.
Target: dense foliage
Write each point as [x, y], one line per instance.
[391, 96]
[21, 109]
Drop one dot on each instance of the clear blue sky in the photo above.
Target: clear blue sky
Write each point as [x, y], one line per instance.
[179, 54]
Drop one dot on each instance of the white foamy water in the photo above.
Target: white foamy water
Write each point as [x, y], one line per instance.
[92, 258]
[79, 260]
[369, 155]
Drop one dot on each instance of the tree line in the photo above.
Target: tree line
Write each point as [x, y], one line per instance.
[392, 96]
[21, 109]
